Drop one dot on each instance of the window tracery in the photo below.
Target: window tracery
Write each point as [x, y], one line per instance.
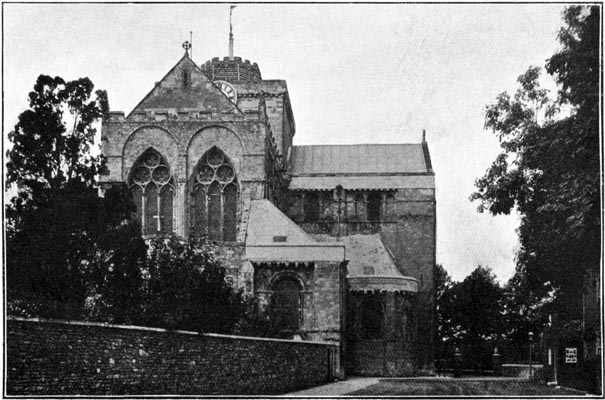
[152, 186]
[214, 197]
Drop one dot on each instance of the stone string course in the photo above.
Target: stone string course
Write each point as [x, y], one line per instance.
[67, 358]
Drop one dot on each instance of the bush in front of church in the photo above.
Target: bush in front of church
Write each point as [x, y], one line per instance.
[185, 287]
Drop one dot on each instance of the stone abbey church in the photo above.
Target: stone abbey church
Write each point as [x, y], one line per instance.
[338, 241]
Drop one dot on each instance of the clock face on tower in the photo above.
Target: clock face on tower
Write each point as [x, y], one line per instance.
[228, 90]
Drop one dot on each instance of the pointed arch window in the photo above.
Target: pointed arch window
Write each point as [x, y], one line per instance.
[152, 186]
[214, 197]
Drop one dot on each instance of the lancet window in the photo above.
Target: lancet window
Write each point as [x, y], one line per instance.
[214, 197]
[152, 186]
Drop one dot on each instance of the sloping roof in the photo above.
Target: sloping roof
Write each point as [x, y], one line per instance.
[361, 166]
[266, 222]
[273, 237]
[358, 159]
[371, 266]
[200, 94]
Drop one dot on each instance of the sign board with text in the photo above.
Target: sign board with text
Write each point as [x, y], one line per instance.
[571, 355]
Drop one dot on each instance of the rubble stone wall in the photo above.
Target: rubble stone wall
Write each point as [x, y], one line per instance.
[76, 358]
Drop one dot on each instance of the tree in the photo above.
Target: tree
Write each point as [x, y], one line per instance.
[470, 316]
[549, 166]
[444, 331]
[59, 228]
[51, 143]
[187, 288]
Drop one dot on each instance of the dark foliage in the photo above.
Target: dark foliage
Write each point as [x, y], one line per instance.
[549, 169]
[187, 288]
[73, 254]
[470, 316]
[57, 217]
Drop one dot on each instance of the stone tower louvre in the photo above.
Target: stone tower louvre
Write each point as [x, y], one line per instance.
[337, 242]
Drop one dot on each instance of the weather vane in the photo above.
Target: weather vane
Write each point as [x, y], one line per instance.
[187, 46]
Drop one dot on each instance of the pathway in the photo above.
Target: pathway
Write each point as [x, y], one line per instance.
[337, 388]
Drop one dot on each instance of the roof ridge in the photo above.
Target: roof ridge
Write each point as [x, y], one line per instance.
[185, 58]
[358, 144]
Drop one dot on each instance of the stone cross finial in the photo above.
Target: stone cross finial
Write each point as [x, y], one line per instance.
[187, 46]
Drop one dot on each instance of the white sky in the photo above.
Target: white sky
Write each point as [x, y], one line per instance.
[355, 73]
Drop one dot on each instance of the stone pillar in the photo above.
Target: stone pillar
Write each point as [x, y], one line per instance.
[497, 363]
[457, 363]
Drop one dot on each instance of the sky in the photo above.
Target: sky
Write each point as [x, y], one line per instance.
[356, 73]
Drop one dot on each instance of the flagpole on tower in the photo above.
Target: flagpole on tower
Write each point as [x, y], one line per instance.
[191, 41]
[231, 32]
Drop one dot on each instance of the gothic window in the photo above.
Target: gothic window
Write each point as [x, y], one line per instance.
[311, 207]
[372, 319]
[214, 194]
[152, 186]
[374, 205]
[286, 304]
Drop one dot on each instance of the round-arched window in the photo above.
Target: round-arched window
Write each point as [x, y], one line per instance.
[374, 206]
[372, 319]
[286, 304]
[311, 207]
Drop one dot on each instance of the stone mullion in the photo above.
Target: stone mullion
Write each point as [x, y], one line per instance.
[180, 205]
[178, 216]
[221, 220]
[143, 210]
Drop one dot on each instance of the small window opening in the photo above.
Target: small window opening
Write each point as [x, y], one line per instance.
[185, 78]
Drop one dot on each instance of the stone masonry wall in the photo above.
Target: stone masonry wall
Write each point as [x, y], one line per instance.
[407, 229]
[183, 143]
[68, 358]
[394, 354]
[322, 297]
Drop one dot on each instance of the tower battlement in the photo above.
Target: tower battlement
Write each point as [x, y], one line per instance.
[233, 70]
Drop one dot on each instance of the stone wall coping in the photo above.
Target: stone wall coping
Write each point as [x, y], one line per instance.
[151, 329]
